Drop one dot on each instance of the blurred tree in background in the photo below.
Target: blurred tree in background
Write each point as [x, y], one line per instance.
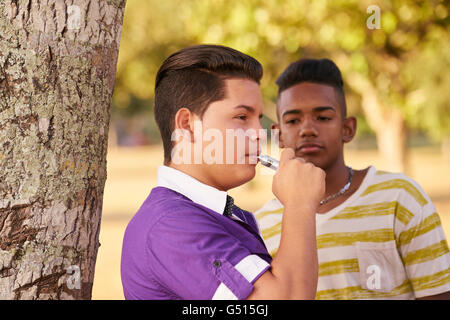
[397, 76]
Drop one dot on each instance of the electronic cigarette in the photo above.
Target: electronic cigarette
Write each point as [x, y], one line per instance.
[268, 161]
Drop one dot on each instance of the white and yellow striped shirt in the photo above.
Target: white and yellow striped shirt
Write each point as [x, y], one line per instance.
[384, 242]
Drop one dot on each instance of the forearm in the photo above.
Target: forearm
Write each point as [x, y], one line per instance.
[295, 263]
[293, 273]
[294, 270]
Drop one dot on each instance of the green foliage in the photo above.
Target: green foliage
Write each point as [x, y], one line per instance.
[407, 60]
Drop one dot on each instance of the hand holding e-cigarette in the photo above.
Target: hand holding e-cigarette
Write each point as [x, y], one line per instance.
[297, 182]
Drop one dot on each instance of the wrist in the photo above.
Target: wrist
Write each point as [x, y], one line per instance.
[302, 206]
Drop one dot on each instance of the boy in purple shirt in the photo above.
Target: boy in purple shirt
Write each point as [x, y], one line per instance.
[188, 240]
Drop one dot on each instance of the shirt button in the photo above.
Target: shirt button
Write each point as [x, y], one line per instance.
[217, 263]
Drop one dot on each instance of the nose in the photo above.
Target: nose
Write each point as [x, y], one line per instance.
[257, 132]
[308, 128]
[256, 135]
[261, 133]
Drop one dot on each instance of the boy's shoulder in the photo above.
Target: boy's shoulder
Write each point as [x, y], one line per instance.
[165, 204]
[162, 200]
[379, 184]
[383, 175]
[385, 184]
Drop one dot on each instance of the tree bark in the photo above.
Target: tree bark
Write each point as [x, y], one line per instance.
[392, 139]
[387, 122]
[57, 68]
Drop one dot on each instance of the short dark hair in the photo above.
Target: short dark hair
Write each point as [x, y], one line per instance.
[193, 78]
[321, 71]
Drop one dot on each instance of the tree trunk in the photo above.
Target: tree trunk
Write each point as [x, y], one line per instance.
[388, 123]
[57, 67]
[445, 147]
[392, 143]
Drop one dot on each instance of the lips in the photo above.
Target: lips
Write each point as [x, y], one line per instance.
[309, 147]
[253, 154]
[253, 157]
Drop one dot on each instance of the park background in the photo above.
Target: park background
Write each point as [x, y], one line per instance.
[395, 69]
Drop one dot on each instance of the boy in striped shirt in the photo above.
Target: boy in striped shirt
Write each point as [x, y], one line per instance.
[378, 233]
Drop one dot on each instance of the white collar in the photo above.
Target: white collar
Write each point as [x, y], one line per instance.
[191, 188]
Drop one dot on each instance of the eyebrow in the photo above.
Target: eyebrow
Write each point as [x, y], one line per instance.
[316, 109]
[248, 108]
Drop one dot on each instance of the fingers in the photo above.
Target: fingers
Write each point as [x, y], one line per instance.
[287, 154]
[297, 181]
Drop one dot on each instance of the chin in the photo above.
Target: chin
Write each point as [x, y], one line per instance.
[242, 174]
[315, 160]
[250, 171]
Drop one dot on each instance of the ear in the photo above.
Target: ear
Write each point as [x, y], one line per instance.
[277, 131]
[184, 121]
[348, 129]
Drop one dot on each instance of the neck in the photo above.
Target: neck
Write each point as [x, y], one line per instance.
[196, 172]
[336, 177]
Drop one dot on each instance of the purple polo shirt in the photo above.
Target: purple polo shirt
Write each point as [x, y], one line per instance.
[175, 248]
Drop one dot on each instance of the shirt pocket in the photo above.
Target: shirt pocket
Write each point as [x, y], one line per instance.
[380, 267]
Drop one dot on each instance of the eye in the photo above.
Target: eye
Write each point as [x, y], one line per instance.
[242, 117]
[322, 118]
[292, 121]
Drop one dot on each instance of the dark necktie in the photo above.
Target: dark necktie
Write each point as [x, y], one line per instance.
[228, 211]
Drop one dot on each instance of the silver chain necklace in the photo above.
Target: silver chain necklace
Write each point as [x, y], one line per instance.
[342, 191]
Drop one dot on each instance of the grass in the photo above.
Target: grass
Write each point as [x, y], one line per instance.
[132, 174]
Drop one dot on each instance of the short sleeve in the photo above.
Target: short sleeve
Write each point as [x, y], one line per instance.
[194, 257]
[424, 250]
